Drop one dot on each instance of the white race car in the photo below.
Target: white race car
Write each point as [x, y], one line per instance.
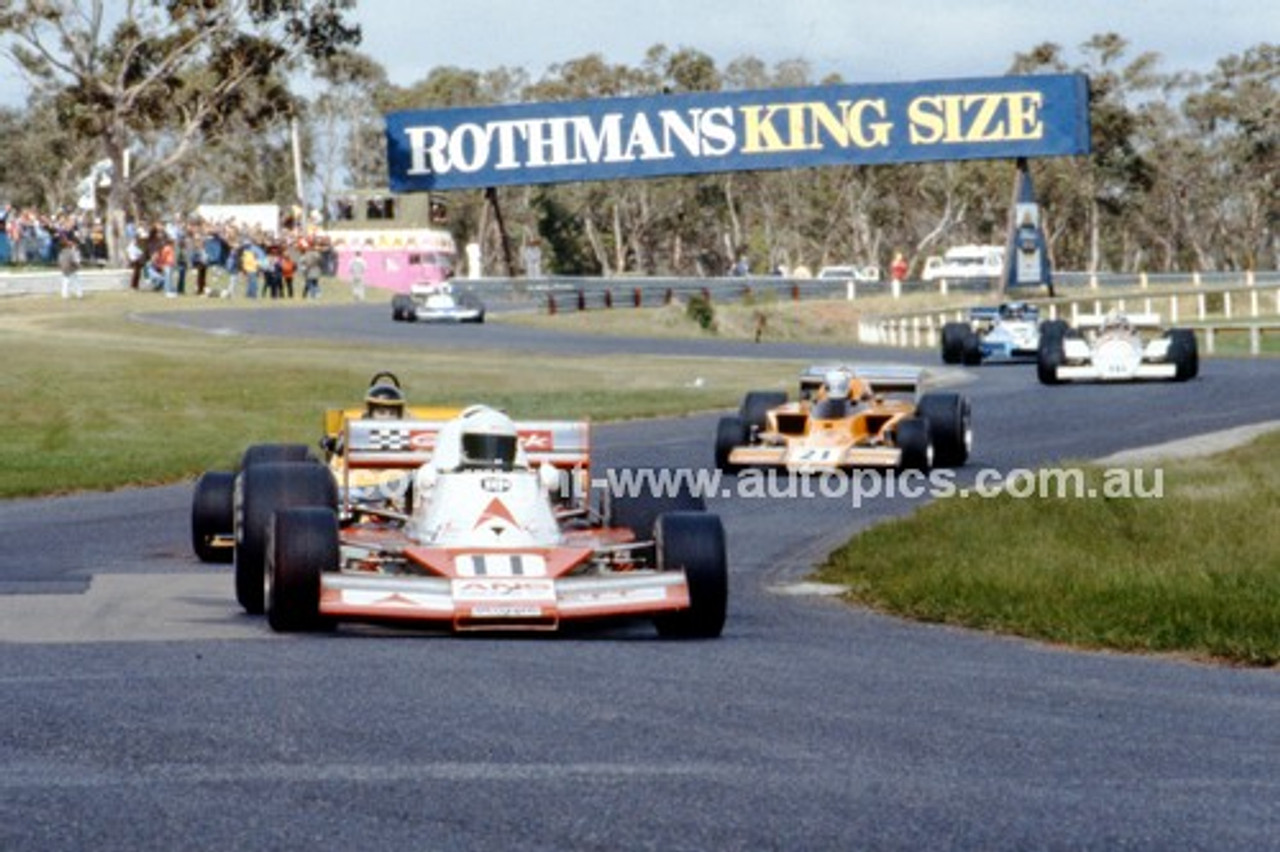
[1009, 332]
[1115, 347]
[501, 531]
[436, 303]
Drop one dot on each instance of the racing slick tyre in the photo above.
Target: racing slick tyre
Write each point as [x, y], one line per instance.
[731, 433]
[639, 511]
[1184, 353]
[916, 444]
[271, 453]
[302, 542]
[1050, 355]
[213, 516]
[261, 491]
[401, 308]
[953, 337]
[693, 542]
[756, 405]
[950, 427]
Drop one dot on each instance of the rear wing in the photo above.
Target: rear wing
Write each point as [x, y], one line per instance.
[388, 444]
[990, 313]
[881, 379]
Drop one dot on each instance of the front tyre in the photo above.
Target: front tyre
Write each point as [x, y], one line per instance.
[1051, 353]
[1184, 354]
[693, 542]
[302, 544]
[915, 444]
[261, 491]
[730, 434]
[950, 427]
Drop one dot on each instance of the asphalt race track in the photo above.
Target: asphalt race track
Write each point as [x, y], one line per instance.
[143, 711]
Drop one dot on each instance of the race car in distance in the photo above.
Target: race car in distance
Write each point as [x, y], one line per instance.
[1008, 332]
[847, 418]
[1115, 347]
[437, 302]
[212, 507]
[500, 531]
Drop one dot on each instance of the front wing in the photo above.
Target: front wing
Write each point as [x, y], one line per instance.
[1146, 371]
[800, 459]
[501, 603]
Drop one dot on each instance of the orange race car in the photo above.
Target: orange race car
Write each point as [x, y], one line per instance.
[848, 418]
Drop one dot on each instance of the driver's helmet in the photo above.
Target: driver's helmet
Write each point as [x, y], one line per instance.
[384, 401]
[487, 439]
[836, 384]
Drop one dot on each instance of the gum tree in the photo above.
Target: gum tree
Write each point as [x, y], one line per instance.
[152, 80]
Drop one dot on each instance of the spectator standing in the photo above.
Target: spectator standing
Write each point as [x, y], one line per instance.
[288, 268]
[312, 269]
[69, 265]
[898, 273]
[356, 269]
[137, 258]
[164, 261]
[251, 264]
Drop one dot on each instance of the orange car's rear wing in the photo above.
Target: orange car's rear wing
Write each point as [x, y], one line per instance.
[881, 379]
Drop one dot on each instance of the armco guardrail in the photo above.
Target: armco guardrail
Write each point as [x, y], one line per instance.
[1219, 307]
[570, 293]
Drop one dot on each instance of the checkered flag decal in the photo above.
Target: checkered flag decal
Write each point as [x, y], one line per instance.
[388, 438]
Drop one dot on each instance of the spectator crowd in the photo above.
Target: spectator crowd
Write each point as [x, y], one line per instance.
[176, 256]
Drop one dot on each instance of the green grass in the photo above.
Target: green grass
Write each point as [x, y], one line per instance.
[1195, 572]
[93, 399]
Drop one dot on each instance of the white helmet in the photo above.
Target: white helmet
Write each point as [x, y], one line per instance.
[487, 439]
[837, 384]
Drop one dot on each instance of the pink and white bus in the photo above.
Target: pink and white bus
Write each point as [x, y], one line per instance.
[394, 236]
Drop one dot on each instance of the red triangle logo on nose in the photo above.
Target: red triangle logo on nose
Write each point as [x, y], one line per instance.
[496, 511]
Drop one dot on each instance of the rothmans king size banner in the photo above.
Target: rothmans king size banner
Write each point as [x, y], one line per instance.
[610, 139]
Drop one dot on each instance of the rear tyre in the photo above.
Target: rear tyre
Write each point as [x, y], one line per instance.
[756, 406]
[301, 544]
[261, 491]
[1051, 353]
[730, 434]
[915, 443]
[1184, 353]
[213, 516]
[271, 453]
[693, 542]
[950, 427]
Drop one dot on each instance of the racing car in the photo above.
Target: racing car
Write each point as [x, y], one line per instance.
[1115, 347]
[436, 302]
[501, 530]
[847, 418]
[1008, 332]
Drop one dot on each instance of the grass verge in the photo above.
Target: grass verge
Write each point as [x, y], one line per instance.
[1195, 572]
[94, 400]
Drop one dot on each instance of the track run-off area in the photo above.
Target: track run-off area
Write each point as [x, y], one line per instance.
[144, 711]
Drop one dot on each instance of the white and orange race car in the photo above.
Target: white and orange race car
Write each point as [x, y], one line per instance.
[500, 530]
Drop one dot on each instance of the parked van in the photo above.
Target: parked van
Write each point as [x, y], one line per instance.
[965, 262]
